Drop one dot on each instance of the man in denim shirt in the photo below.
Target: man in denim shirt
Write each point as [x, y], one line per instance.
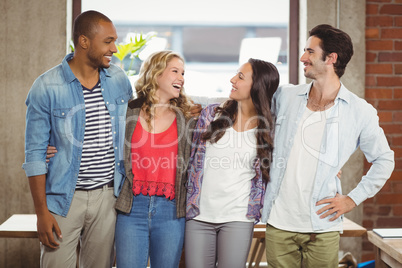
[318, 127]
[79, 107]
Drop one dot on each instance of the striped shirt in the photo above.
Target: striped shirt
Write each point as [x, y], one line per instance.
[97, 161]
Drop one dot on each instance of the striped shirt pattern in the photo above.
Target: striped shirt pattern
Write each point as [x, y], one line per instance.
[97, 161]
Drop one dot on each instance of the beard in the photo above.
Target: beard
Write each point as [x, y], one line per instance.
[97, 59]
[309, 74]
[316, 69]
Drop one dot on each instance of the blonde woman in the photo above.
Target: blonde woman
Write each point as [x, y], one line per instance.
[152, 203]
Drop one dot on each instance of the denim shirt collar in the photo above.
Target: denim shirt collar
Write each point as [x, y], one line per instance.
[342, 94]
[68, 73]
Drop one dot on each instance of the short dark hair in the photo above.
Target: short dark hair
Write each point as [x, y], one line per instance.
[86, 23]
[334, 40]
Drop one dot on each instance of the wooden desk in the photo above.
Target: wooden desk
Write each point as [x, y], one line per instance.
[388, 251]
[350, 229]
[19, 226]
[24, 226]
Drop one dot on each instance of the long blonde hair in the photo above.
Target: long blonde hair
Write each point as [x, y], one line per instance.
[147, 84]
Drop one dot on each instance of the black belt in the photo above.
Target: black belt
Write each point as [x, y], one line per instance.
[109, 184]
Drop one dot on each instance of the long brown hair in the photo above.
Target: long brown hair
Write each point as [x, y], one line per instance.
[265, 82]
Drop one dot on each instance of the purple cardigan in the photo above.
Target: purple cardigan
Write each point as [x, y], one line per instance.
[196, 172]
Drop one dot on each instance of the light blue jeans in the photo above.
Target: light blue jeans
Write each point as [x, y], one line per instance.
[150, 230]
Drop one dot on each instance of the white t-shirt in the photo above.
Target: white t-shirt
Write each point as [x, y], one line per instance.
[228, 170]
[291, 210]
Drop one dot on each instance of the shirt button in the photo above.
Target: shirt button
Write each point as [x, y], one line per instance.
[112, 117]
[62, 113]
[103, 89]
[115, 148]
[118, 164]
[107, 102]
[122, 100]
[114, 132]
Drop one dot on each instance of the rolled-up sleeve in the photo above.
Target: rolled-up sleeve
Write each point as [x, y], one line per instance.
[37, 130]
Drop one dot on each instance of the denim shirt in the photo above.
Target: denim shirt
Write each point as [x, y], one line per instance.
[352, 123]
[196, 172]
[56, 116]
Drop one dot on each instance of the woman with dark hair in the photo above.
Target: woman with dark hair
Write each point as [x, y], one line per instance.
[229, 169]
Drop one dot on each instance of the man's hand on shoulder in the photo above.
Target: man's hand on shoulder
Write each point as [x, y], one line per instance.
[340, 204]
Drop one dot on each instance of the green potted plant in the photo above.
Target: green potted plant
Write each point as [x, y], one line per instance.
[127, 53]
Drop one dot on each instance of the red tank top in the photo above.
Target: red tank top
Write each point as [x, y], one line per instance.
[153, 161]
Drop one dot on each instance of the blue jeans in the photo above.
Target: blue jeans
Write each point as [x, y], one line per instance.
[151, 230]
